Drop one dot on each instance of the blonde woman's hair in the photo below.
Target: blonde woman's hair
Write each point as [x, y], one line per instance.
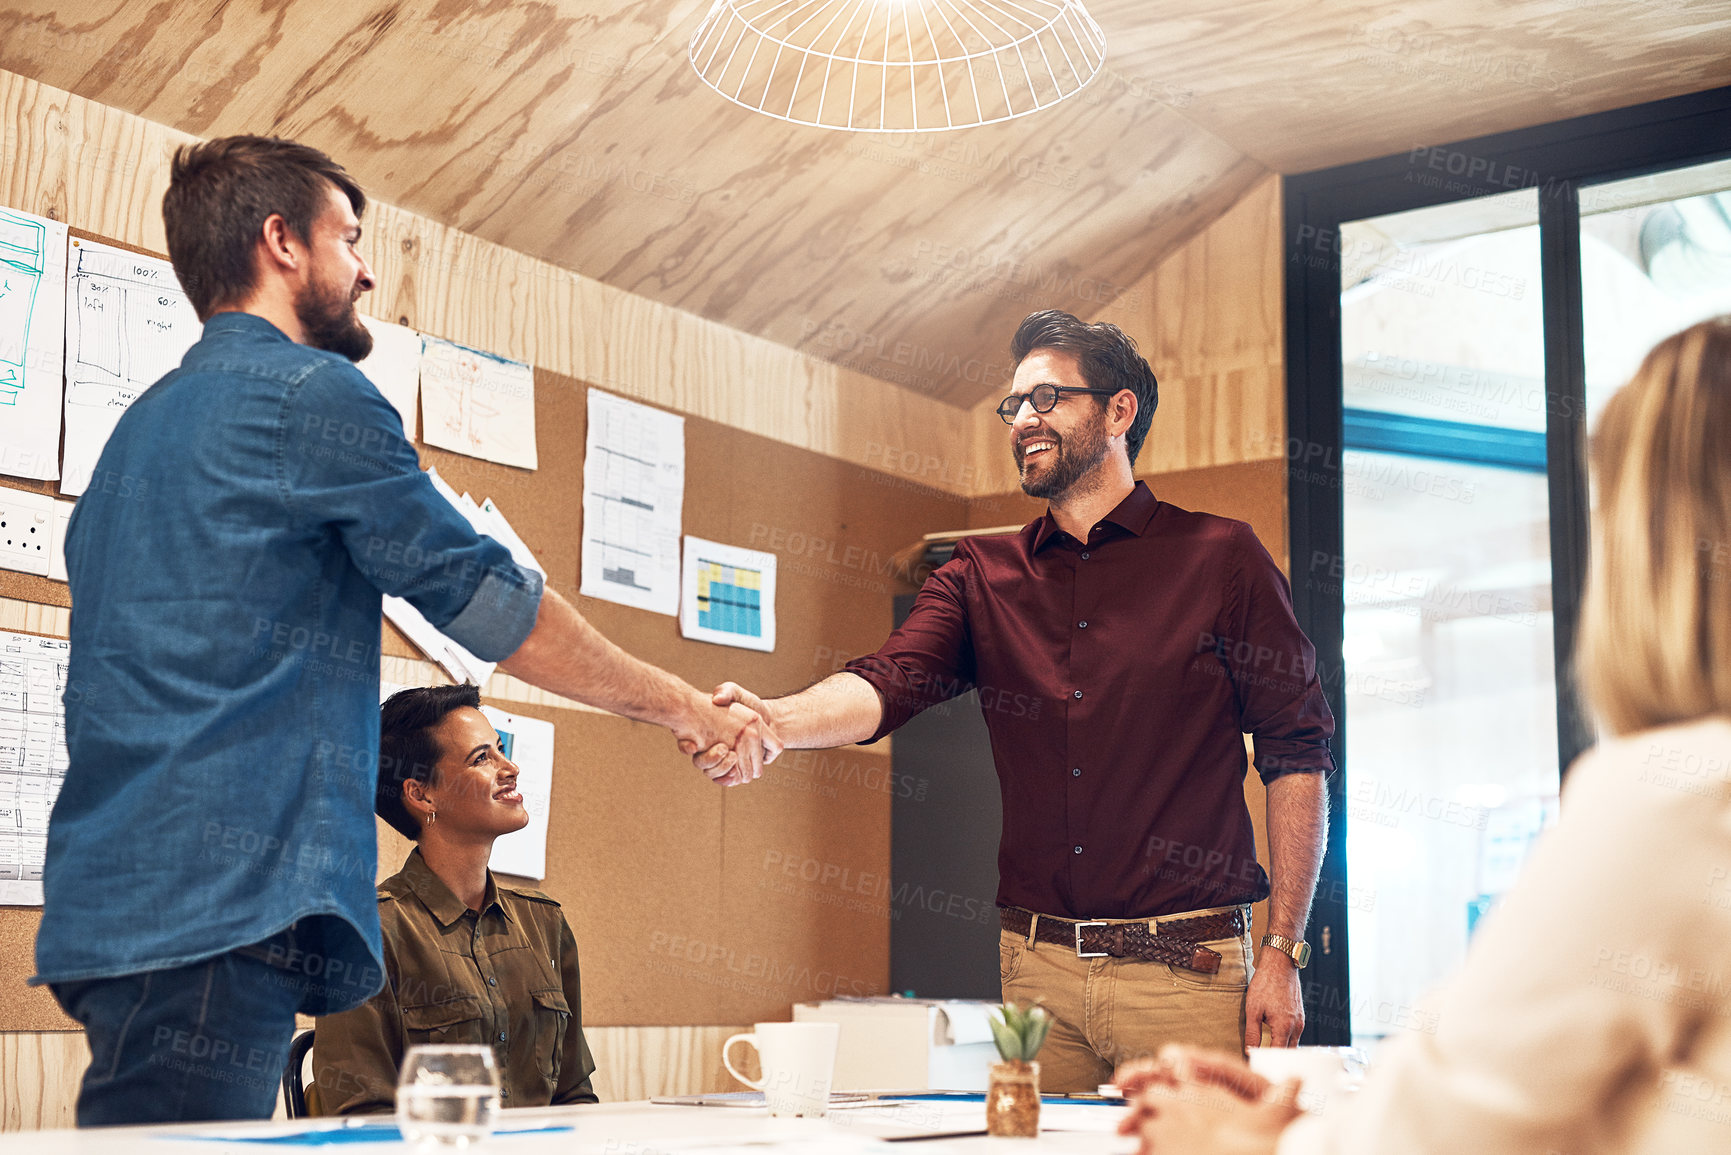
[1655, 644]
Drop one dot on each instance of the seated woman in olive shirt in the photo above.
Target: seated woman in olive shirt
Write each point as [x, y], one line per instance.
[466, 959]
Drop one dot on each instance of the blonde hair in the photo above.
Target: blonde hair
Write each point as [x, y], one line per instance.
[1655, 645]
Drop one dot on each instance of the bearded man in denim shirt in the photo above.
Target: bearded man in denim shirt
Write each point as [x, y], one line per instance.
[212, 853]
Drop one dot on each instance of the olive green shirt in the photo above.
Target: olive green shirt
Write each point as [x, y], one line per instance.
[506, 975]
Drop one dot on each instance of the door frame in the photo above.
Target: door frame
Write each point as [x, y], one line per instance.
[1557, 159]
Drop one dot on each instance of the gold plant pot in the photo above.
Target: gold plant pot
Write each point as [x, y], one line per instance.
[1013, 1100]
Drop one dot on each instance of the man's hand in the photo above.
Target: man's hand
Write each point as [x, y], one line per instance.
[729, 743]
[1273, 998]
[1194, 1100]
[732, 693]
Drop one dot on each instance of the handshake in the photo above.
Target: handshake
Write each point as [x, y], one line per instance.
[728, 734]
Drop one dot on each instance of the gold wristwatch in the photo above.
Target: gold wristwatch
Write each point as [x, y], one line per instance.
[1298, 952]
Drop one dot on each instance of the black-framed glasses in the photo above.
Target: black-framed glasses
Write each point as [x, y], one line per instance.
[1044, 398]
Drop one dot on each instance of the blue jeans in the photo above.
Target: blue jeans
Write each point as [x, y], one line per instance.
[201, 1042]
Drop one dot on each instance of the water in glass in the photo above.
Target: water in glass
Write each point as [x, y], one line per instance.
[447, 1095]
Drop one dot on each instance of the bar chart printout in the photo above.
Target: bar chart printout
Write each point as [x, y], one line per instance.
[633, 504]
[32, 758]
[728, 595]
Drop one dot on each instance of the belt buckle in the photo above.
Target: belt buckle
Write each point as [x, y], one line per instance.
[1080, 953]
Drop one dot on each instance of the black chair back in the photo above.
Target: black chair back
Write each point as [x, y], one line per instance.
[294, 1090]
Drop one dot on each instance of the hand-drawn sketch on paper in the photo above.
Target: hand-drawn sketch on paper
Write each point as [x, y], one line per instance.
[477, 404]
[127, 325]
[32, 343]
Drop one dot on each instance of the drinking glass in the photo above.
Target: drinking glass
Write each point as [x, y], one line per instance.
[447, 1096]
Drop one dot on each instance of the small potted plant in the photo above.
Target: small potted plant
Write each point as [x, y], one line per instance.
[1013, 1095]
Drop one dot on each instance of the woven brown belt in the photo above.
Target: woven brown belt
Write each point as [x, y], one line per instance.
[1177, 940]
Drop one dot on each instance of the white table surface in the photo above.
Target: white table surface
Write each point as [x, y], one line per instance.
[628, 1129]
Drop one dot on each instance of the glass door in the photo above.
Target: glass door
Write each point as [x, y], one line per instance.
[1450, 686]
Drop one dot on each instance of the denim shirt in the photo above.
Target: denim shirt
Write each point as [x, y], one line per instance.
[222, 706]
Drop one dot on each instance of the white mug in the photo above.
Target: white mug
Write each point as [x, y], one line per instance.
[1321, 1072]
[798, 1065]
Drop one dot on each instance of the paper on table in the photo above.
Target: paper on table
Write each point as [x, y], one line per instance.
[326, 1133]
[26, 531]
[727, 595]
[1101, 1118]
[477, 404]
[394, 366]
[32, 343]
[530, 741]
[633, 502]
[32, 758]
[127, 325]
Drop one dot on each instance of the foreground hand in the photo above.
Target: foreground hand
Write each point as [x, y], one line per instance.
[1274, 998]
[730, 693]
[731, 744]
[1189, 1100]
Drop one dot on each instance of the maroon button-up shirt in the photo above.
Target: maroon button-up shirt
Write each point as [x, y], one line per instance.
[1117, 677]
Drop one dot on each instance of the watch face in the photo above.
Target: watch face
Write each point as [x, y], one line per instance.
[1301, 955]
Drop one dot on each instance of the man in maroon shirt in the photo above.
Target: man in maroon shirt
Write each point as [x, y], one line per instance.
[1122, 648]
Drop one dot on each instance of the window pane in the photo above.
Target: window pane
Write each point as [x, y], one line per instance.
[1655, 258]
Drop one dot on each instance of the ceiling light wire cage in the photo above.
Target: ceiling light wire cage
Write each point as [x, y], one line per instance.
[897, 65]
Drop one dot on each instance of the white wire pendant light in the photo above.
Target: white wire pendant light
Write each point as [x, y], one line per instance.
[897, 65]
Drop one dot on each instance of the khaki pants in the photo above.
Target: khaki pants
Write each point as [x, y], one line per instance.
[1108, 1011]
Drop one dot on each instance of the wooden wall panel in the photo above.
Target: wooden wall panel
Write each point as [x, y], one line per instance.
[105, 170]
[39, 1075]
[1209, 319]
[637, 1062]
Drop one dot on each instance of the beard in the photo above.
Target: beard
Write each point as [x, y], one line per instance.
[329, 321]
[1074, 458]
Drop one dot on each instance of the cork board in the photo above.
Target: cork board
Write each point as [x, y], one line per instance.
[690, 903]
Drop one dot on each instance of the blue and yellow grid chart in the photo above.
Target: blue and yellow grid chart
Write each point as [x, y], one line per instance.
[728, 595]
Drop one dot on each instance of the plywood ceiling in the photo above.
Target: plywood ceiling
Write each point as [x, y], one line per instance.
[575, 131]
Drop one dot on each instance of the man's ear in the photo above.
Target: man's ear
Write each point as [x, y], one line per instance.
[1123, 410]
[278, 247]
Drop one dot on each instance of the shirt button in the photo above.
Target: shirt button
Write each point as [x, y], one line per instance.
[505, 1093]
[502, 1033]
[492, 982]
[1078, 693]
[1076, 773]
[1084, 555]
[1078, 851]
[1081, 625]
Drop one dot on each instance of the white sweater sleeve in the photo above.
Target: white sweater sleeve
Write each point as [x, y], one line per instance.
[1595, 974]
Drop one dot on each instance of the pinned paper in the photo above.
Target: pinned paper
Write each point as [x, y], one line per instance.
[457, 661]
[127, 325]
[394, 366]
[529, 743]
[728, 595]
[478, 404]
[633, 500]
[32, 343]
[33, 758]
